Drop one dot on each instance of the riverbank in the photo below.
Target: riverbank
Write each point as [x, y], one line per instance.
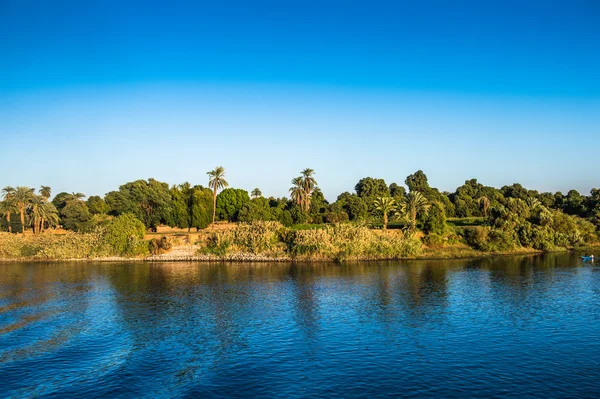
[256, 242]
[187, 254]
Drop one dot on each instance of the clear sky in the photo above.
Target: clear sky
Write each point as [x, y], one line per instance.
[95, 94]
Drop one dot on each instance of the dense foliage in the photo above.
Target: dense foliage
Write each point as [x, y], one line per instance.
[481, 217]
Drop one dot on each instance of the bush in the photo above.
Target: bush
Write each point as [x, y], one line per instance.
[433, 240]
[124, 235]
[50, 246]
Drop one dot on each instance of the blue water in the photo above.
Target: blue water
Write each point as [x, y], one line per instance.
[506, 327]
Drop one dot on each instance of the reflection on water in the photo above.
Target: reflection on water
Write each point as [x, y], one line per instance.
[503, 327]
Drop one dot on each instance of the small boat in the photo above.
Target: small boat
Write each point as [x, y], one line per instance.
[591, 257]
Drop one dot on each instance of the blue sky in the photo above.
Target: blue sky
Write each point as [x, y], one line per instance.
[94, 94]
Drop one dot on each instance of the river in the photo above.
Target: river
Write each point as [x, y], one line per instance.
[498, 327]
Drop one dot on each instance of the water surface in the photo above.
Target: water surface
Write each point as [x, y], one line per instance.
[504, 327]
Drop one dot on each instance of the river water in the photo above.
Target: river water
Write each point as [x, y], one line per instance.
[505, 327]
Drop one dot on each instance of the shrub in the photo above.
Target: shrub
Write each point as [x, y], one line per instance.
[433, 240]
[124, 235]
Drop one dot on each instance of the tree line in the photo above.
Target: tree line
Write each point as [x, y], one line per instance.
[511, 213]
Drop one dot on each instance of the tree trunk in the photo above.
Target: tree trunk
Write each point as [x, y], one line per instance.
[42, 225]
[8, 222]
[23, 220]
[214, 205]
[385, 220]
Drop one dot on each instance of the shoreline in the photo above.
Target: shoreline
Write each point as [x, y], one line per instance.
[254, 258]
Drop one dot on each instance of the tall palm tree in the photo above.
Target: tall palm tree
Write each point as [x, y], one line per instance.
[35, 212]
[22, 197]
[216, 181]
[256, 193]
[8, 205]
[411, 206]
[484, 202]
[385, 205]
[297, 191]
[308, 184]
[45, 192]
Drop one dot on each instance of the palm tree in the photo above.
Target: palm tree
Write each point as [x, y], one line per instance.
[22, 196]
[256, 193]
[8, 205]
[385, 205]
[411, 206]
[308, 184]
[47, 214]
[216, 181]
[297, 191]
[35, 215]
[45, 192]
[484, 202]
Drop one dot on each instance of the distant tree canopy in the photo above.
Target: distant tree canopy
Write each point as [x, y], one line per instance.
[499, 219]
[229, 203]
[148, 200]
[96, 205]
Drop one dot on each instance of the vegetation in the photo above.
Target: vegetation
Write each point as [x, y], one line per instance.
[331, 242]
[216, 182]
[416, 217]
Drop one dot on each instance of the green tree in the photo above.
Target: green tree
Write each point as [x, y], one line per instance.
[355, 207]
[22, 197]
[149, 201]
[413, 205]
[369, 187]
[96, 205]
[434, 221]
[45, 192]
[417, 182]
[256, 193]
[297, 192]
[201, 207]
[308, 184]
[385, 206]
[216, 181]
[8, 205]
[229, 203]
[397, 191]
[75, 215]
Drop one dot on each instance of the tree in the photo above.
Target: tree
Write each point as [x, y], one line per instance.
[42, 212]
[369, 187]
[353, 205]
[417, 182]
[413, 205]
[229, 203]
[385, 205]
[96, 205]
[397, 191]
[435, 219]
[256, 193]
[75, 214]
[216, 181]
[22, 197]
[149, 201]
[297, 191]
[45, 192]
[308, 184]
[8, 206]
[201, 207]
